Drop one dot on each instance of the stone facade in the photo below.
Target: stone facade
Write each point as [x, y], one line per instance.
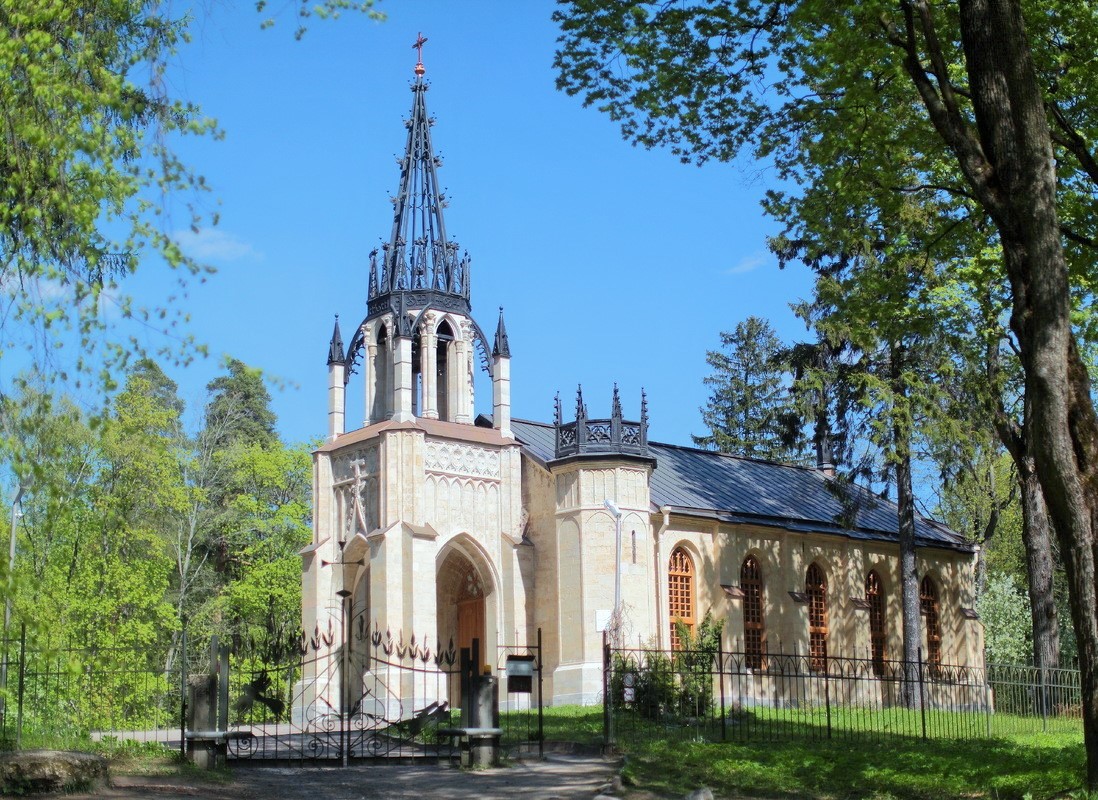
[432, 523]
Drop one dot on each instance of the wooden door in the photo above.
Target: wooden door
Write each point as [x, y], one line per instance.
[471, 625]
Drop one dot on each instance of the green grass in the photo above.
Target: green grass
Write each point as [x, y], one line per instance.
[879, 766]
[579, 724]
[887, 767]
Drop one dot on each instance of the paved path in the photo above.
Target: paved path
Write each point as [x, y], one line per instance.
[558, 777]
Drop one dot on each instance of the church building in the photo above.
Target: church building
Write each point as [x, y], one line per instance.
[431, 521]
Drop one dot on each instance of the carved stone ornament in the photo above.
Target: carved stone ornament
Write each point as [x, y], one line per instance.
[456, 458]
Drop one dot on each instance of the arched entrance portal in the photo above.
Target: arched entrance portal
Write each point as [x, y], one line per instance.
[463, 605]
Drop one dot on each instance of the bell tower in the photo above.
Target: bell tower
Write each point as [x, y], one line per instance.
[418, 346]
[417, 517]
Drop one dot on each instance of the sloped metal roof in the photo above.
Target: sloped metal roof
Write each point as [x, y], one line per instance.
[736, 489]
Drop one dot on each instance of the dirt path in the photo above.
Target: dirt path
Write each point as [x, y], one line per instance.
[558, 777]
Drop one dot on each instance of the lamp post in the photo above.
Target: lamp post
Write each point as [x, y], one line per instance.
[8, 589]
[345, 682]
[615, 623]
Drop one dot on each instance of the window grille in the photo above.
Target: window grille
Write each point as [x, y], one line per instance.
[815, 586]
[680, 593]
[875, 597]
[751, 585]
[928, 602]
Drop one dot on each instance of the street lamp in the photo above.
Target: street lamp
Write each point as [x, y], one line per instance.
[616, 619]
[345, 684]
[16, 513]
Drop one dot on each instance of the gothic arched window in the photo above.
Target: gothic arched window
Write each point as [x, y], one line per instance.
[444, 341]
[928, 604]
[815, 586]
[875, 597]
[752, 587]
[680, 593]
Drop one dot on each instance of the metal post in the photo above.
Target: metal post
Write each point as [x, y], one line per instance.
[922, 693]
[345, 682]
[616, 623]
[827, 697]
[22, 684]
[720, 680]
[183, 693]
[541, 705]
[607, 731]
[9, 590]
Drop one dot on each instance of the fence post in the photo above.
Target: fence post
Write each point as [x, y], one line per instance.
[720, 680]
[922, 693]
[827, 696]
[22, 684]
[541, 704]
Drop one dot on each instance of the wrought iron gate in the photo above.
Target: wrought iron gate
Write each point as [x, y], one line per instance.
[395, 698]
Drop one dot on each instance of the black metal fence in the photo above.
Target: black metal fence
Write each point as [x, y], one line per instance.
[696, 695]
[73, 696]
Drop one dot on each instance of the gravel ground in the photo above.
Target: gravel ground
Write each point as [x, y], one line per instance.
[558, 777]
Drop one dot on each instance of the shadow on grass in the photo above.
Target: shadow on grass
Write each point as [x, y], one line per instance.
[877, 766]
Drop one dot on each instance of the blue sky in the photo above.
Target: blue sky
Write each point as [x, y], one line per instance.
[612, 263]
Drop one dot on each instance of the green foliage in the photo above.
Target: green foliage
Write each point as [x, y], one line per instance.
[1004, 609]
[88, 124]
[694, 661]
[679, 685]
[749, 411]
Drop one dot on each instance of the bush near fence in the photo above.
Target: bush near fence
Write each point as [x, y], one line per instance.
[655, 693]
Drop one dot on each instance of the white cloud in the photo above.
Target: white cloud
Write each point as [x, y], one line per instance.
[748, 263]
[213, 244]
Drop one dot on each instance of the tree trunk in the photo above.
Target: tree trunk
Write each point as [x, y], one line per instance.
[1037, 539]
[905, 506]
[1018, 188]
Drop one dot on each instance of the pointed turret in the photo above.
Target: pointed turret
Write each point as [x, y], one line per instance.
[337, 380]
[336, 353]
[501, 349]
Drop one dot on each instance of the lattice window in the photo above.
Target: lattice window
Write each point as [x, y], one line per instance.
[875, 597]
[680, 593]
[752, 587]
[815, 586]
[928, 602]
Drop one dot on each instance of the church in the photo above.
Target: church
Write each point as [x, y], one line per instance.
[433, 522]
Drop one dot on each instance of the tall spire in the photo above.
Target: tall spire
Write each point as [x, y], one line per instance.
[419, 258]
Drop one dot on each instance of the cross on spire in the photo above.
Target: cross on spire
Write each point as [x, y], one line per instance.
[418, 47]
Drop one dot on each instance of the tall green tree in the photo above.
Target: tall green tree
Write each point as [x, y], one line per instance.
[749, 411]
[982, 110]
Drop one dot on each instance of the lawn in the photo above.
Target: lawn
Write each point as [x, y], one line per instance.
[869, 765]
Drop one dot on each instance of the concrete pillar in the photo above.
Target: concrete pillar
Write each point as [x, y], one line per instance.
[336, 401]
[501, 396]
[428, 364]
[374, 372]
[402, 380]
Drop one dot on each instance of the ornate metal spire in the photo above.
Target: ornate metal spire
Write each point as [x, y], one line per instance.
[335, 348]
[419, 258]
[501, 349]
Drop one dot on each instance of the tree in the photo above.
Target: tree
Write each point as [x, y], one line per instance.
[749, 411]
[239, 409]
[982, 112]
